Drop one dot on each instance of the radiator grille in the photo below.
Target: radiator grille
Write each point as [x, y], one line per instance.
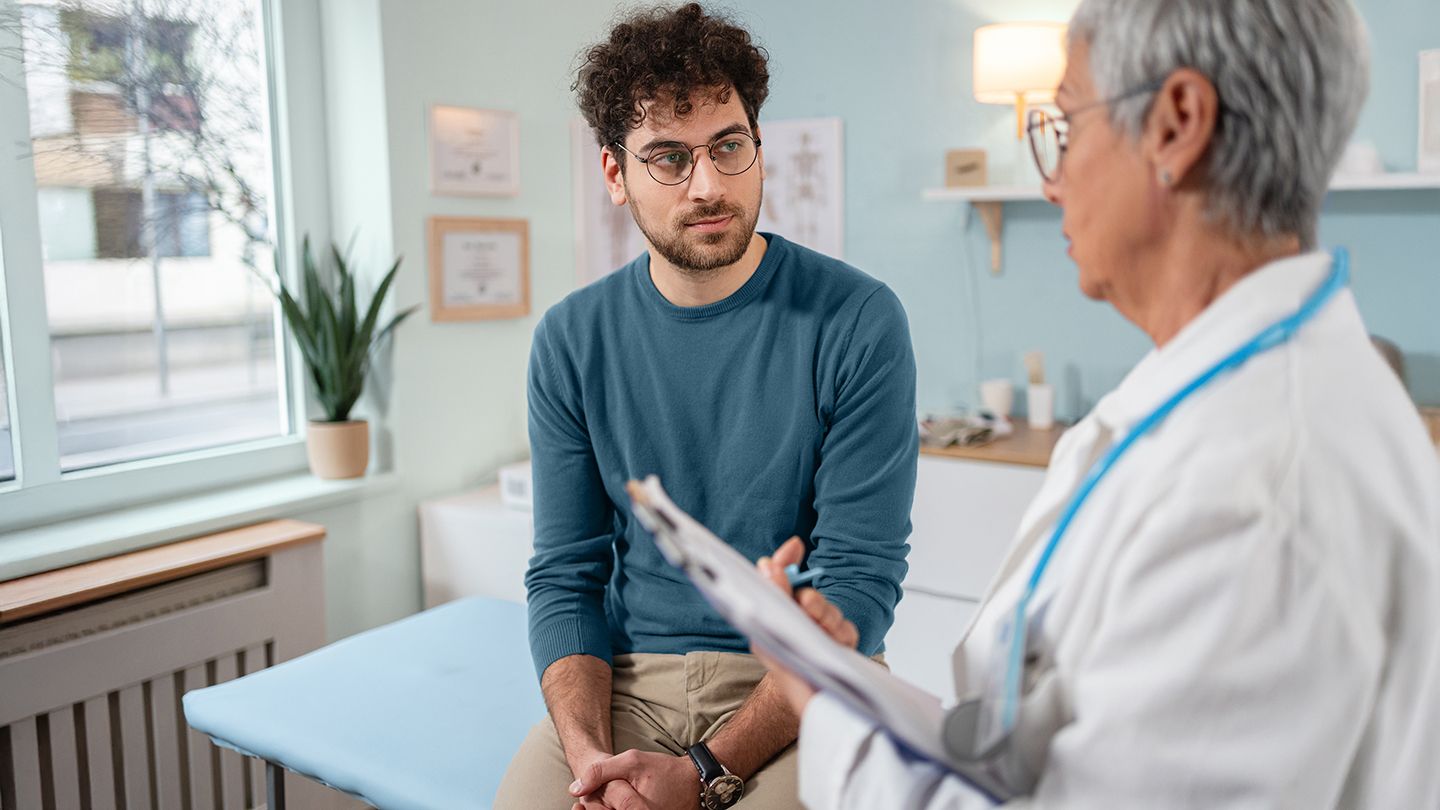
[90, 697]
[130, 749]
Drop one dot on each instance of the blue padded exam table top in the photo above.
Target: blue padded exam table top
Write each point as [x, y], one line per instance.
[425, 712]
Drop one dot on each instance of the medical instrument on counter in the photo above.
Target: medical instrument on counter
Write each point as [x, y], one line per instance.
[980, 730]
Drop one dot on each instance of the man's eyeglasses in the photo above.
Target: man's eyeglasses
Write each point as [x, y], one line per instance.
[671, 163]
[1050, 134]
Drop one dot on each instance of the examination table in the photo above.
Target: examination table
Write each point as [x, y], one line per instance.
[421, 714]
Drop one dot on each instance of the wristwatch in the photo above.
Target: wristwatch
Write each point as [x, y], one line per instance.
[719, 788]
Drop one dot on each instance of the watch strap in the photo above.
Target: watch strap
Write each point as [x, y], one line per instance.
[705, 762]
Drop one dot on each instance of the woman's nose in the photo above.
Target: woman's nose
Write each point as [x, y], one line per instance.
[1051, 190]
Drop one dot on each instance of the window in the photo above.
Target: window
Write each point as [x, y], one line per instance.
[153, 184]
[140, 149]
[7, 447]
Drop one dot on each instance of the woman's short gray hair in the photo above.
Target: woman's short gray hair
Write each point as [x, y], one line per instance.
[1291, 76]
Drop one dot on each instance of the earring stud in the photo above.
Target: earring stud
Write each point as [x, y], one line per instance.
[1166, 179]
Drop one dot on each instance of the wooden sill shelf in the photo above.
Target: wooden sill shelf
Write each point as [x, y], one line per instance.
[38, 594]
[1026, 446]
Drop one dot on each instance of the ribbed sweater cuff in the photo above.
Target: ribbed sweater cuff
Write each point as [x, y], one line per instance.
[867, 617]
[573, 635]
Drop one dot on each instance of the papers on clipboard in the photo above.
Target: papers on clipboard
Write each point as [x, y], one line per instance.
[774, 622]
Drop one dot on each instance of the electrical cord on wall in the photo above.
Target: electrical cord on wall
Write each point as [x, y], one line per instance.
[967, 244]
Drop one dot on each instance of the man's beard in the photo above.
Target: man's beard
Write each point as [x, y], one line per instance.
[701, 254]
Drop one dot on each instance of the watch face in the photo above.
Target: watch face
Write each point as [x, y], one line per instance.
[723, 792]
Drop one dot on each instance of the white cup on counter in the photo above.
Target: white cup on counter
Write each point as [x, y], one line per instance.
[998, 396]
[1041, 402]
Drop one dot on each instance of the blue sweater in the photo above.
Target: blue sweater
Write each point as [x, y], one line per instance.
[787, 408]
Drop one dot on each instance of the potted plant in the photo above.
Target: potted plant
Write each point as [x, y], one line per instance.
[336, 342]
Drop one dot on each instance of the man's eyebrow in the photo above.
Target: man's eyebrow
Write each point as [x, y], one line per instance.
[728, 130]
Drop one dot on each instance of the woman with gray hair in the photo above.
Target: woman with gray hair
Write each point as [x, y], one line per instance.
[1227, 592]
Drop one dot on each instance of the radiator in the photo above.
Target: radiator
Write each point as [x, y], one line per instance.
[90, 714]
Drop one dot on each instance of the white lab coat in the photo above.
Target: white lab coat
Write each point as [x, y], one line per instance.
[1246, 613]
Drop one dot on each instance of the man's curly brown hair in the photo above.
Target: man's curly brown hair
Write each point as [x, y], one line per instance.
[668, 55]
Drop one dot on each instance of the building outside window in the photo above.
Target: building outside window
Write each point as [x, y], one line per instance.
[150, 141]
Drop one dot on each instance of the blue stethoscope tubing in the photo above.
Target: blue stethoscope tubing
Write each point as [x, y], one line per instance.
[1269, 338]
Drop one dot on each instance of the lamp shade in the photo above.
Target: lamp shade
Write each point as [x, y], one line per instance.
[1019, 62]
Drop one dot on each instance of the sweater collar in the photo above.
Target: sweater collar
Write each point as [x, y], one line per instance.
[775, 251]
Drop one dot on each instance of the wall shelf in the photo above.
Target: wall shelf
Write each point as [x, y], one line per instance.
[989, 201]
[1394, 181]
[976, 194]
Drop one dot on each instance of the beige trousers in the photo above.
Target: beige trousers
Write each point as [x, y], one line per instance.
[661, 704]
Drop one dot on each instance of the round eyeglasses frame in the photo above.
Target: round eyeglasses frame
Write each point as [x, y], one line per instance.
[709, 150]
[1040, 120]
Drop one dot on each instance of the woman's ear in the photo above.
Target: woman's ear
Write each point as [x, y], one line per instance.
[1180, 126]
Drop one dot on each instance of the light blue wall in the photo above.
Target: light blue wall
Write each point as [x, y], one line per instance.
[449, 405]
[899, 74]
[901, 80]
[459, 387]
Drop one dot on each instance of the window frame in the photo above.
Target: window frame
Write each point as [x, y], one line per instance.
[40, 493]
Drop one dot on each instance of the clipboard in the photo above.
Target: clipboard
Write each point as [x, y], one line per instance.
[774, 622]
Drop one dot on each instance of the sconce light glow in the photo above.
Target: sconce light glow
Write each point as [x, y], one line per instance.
[1020, 64]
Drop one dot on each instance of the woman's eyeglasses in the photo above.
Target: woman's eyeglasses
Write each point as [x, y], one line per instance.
[1050, 134]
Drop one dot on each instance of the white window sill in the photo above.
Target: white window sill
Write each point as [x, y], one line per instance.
[44, 548]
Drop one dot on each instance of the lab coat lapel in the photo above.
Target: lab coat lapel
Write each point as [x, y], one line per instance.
[1071, 460]
[1080, 446]
[1073, 456]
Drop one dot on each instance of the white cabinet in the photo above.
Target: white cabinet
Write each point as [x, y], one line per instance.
[965, 516]
[473, 545]
[925, 632]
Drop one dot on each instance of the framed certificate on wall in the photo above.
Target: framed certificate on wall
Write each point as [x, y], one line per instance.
[479, 268]
[474, 152]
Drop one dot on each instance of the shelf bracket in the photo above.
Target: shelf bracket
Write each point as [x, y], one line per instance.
[993, 215]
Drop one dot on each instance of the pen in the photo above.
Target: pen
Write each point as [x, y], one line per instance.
[797, 579]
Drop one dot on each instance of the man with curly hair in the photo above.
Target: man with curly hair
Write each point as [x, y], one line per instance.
[771, 388]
